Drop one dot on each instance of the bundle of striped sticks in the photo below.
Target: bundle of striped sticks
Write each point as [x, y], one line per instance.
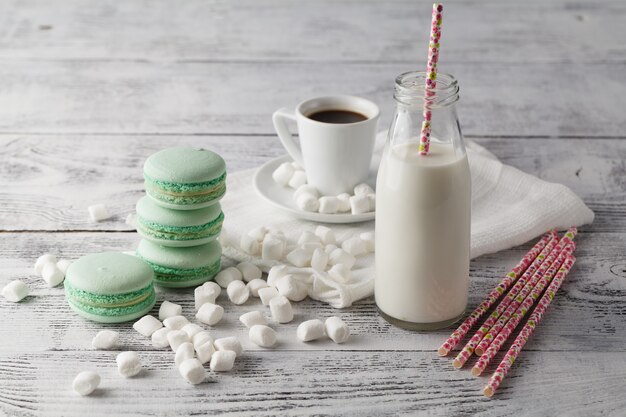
[544, 267]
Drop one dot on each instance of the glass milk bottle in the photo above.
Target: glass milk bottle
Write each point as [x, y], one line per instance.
[423, 211]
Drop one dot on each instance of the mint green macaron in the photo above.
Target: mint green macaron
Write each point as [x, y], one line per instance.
[185, 178]
[110, 287]
[180, 267]
[169, 227]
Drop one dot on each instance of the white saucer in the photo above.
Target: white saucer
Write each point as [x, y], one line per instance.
[282, 197]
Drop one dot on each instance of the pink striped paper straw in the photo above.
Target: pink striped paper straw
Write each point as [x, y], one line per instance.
[494, 295]
[510, 326]
[527, 330]
[431, 76]
[469, 347]
[554, 265]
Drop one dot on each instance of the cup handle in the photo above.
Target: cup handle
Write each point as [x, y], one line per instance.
[279, 118]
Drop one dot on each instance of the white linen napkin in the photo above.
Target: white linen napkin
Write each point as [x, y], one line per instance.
[509, 207]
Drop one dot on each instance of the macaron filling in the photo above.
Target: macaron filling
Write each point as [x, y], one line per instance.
[186, 193]
[112, 304]
[169, 274]
[161, 231]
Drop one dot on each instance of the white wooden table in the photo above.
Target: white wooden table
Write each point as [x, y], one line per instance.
[89, 89]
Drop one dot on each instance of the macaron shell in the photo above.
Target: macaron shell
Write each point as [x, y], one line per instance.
[148, 209]
[109, 273]
[184, 165]
[180, 257]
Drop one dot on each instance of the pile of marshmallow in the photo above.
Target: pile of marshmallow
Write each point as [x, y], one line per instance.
[307, 197]
[317, 249]
[47, 267]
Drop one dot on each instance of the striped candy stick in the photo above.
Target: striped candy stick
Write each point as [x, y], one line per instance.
[494, 295]
[527, 330]
[510, 326]
[469, 347]
[550, 265]
[431, 76]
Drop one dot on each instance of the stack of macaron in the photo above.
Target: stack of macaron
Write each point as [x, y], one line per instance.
[180, 218]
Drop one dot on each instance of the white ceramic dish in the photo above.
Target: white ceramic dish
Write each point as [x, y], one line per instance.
[282, 197]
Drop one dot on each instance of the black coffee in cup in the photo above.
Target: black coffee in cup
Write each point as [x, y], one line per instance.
[337, 116]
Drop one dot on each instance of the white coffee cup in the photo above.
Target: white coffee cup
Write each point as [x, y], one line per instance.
[335, 156]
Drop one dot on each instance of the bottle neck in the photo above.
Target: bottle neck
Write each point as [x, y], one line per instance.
[410, 90]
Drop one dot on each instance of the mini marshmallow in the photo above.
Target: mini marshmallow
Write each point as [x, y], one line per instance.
[228, 275]
[359, 204]
[15, 291]
[281, 309]
[311, 246]
[372, 200]
[175, 322]
[204, 351]
[297, 179]
[159, 338]
[210, 314]
[177, 338]
[98, 212]
[354, 246]
[52, 275]
[326, 235]
[252, 318]
[369, 239]
[267, 294]
[291, 288]
[63, 264]
[340, 273]
[183, 352]
[328, 205]
[86, 382]
[283, 173]
[42, 260]
[192, 370]
[344, 202]
[249, 271]
[250, 245]
[308, 237]
[273, 248]
[330, 248]
[255, 285]
[306, 189]
[340, 256]
[258, 233]
[296, 166]
[192, 329]
[222, 360]
[229, 343]
[262, 335]
[276, 272]
[319, 260]
[300, 257]
[336, 329]
[128, 364]
[147, 325]
[206, 293]
[238, 292]
[310, 330]
[307, 202]
[363, 189]
[105, 340]
[201, 338]
[168, 310]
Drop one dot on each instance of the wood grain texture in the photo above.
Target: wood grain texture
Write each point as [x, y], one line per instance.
[50, 180]
[373, 31]
[593, 294]
[69, 97]
[314, 383]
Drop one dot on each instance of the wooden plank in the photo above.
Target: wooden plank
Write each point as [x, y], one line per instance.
[50, 180]
[319, 383]
[556, 31]
[192, 98]
[587, 314]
